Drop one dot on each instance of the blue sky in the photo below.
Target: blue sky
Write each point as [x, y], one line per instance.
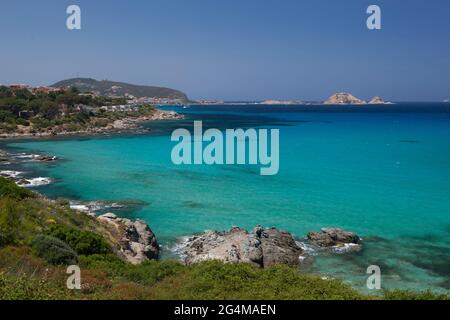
[235, 49]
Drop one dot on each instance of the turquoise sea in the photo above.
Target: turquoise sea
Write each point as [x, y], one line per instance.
[380, 171]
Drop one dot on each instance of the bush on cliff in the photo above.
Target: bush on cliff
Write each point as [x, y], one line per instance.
[83, 242]
[25, 276]
[410, 295]
[9, 222]
[53, 250]
[8, 189]
[216, 280]
[26, 288]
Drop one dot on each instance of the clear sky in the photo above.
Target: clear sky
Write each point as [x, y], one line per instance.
[235, 49]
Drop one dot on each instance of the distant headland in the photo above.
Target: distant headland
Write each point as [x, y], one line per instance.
[112, 89]
[68, 107]
[342, 98]
[347, 98]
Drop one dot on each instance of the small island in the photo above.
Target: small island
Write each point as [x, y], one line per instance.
[344, 98]
[282, 102]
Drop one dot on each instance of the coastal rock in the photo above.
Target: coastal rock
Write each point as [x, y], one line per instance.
[135, 240]
[377, 100]
[344, 98]
[260, 248]
[23, 182]
[164, 115]
[110, 216]
[234, 246]
[45, 158]
[278, 247]
[282, 102]
[337, 239]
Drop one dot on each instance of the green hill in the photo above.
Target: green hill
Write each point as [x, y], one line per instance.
[112, 88]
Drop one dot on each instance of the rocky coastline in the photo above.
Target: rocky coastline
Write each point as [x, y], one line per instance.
[129, 124]
[135, 242]
[264, 247]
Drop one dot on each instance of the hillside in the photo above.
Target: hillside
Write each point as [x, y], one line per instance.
[31, 112]
[107, 88]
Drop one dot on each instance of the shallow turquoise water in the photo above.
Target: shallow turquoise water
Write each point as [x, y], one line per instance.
[382, 172]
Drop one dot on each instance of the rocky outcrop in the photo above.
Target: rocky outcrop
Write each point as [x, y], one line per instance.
[377, 100]
[344, 98]
[261, 248]
[130, 123]
[166, 115]
[278, 247]
[233, 246]
[337, 239]
[135, 241]
[45, 158]
[281, 102]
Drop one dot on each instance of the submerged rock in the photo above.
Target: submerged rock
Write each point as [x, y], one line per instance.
[23, 182]
[261, 248]
[337, 239]
[45, 158]
[135, 240]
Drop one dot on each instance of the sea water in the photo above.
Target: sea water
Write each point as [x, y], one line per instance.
[380, 171]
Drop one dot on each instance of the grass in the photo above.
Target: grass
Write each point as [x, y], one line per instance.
[24, 276]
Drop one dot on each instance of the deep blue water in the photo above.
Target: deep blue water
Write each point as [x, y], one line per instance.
[380, 171]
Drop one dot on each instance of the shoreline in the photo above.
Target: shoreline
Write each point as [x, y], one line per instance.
[126, 125]
[164, 249]
[175, 251]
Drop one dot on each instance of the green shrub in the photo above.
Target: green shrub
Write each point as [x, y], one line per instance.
[147, 273]
[11, 190]
[410, 295]
[151, 272]
[9, 222]
[42, 123]
[83, 242]
[108, 263]
[217, 281]
[22, 121]
[27, 288]
[53, 250]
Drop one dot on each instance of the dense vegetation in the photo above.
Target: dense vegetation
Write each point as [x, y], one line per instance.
[63, 109]
[39, 238]
[83, 242]
[106, 87]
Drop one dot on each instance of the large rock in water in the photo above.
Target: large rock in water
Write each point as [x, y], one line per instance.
[335, 237]
[278, 247]
[343, 98]
[261, 248]
[233, 246]
[377, 100]
[135, 240]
